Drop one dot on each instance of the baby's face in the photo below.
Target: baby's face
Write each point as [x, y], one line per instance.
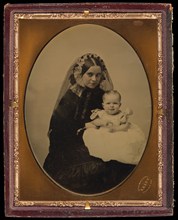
[111, 104]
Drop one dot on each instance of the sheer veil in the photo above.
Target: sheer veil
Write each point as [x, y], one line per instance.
[73, 79]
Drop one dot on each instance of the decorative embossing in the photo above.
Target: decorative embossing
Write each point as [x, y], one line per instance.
[87, 206]
[83, 203]
[15, 106]
[89, 15]
[160, 108]
[160, 144]
[86, 13]
[160, 63]
[160, 195]
[144, 184]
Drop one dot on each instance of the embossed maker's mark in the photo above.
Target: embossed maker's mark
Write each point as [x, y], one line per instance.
[144, 184]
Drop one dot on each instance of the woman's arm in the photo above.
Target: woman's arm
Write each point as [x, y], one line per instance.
[63, 126]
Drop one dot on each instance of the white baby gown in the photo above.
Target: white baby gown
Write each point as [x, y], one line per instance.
[124, 146]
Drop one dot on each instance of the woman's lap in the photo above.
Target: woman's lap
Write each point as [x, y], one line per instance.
[82, 173]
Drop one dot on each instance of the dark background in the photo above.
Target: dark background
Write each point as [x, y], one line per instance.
[175, 24]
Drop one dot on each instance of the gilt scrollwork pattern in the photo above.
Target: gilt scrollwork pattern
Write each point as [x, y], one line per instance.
[15, 109]
[88, 15]
[15, 102]
[160, 108]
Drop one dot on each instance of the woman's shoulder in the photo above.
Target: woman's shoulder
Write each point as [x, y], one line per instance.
[67, 102]
[69, 96]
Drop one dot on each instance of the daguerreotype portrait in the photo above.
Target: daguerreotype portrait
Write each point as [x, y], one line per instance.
[88, 129]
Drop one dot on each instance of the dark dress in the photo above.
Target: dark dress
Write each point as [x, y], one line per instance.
[68, 161]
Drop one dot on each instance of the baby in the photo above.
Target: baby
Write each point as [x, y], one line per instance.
[112, 118]
[110, 136]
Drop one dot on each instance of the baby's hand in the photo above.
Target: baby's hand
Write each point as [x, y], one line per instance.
[111, 130]
[109, 125]
[126, 126]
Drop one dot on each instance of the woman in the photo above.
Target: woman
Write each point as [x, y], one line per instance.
[69, 162]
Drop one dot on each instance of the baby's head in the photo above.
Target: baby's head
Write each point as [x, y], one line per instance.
[112, 102]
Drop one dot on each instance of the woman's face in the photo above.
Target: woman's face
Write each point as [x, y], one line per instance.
[92, 77]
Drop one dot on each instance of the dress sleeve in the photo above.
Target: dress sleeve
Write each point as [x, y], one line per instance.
[63, 126]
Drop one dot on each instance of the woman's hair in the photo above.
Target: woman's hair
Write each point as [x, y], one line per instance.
[92, 60]
[112, 92]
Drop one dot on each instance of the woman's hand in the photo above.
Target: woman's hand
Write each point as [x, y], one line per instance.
[124, 127]
[90, 125]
